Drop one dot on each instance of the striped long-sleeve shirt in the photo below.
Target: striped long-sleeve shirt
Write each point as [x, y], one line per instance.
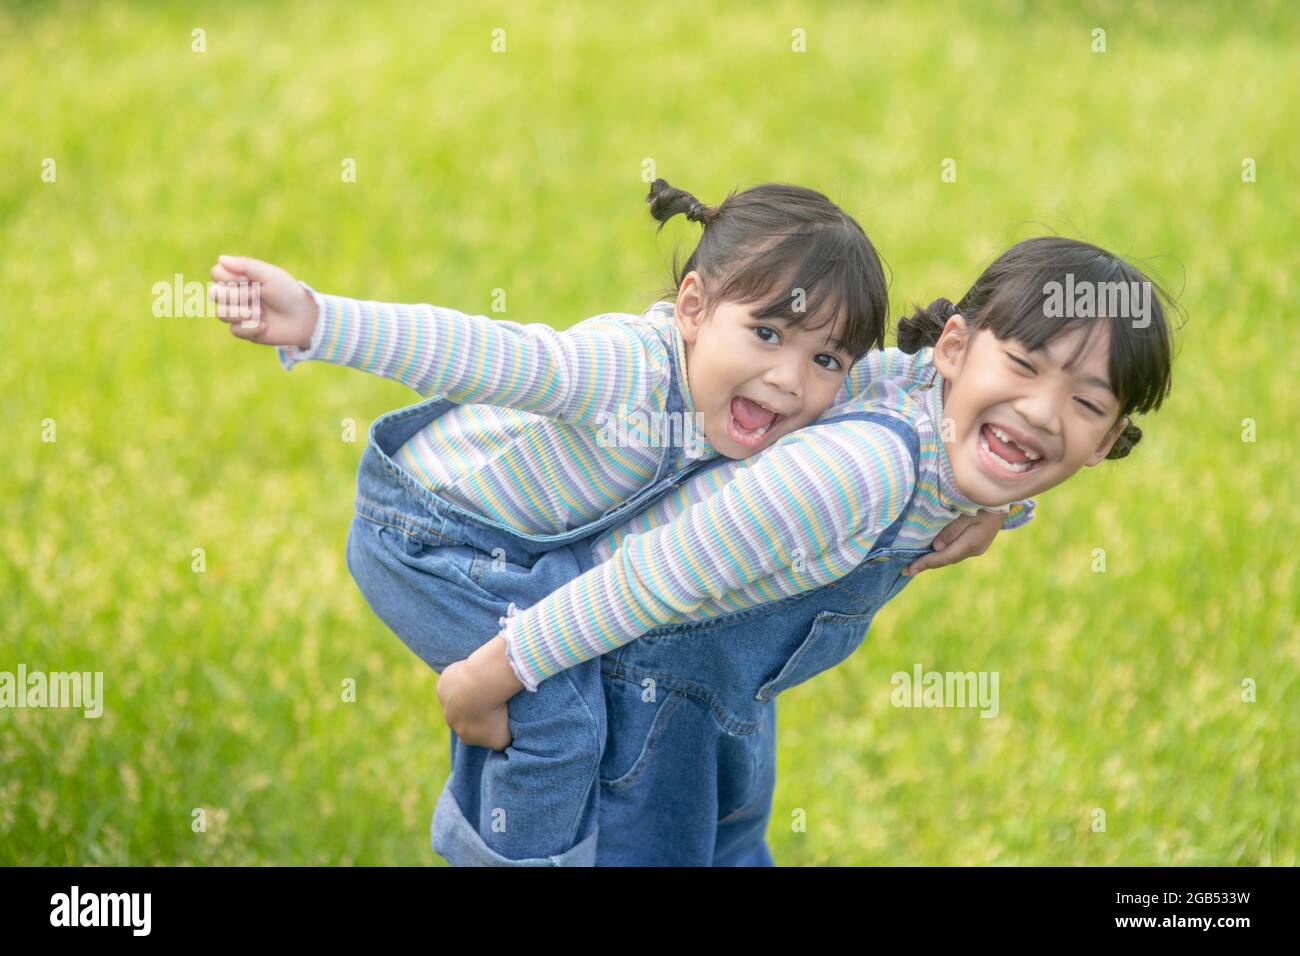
[528, 445]
[794, 517]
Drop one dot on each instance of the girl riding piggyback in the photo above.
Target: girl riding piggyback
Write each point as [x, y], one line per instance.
[467, 503]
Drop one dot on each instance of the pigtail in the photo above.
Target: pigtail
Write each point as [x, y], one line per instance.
[667, 201]
[923, 327]
[1129, 437]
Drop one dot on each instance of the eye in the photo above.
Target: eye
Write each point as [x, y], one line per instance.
[760, 329]
[1091, 407]
[834, 368]
[1021, 362]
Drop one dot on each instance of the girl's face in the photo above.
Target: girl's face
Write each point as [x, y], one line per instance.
[1017, 422]
[753, 381]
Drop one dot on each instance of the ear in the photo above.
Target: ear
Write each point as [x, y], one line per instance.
[947, 351]
[1107, 441]
[689, 311]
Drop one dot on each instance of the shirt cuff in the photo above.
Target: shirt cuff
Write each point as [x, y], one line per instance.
[1020, 514]
[522, 672]
[291, 355]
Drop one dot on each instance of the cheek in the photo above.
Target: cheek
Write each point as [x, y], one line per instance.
[824, 392]
[1080, 446]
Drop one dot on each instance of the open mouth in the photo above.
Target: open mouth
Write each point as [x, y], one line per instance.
[1005, 455]
[749, 422]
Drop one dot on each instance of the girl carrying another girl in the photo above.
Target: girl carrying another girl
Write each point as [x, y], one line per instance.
[754, 576]
[468, 504]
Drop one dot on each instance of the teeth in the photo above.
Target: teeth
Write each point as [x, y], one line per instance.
[1031, 455]
[1013, 465]
[758, 433]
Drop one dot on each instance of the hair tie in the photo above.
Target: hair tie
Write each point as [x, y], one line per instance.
[697, 212]
[1129, 437]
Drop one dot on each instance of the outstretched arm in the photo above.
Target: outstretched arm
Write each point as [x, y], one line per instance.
[582, 374]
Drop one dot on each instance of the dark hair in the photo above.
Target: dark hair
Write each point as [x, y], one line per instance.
[1012, 300]
[761, 244]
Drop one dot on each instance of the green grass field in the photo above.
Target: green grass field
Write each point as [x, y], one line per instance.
[476, 170]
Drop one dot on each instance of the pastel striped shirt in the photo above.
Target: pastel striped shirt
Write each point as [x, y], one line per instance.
[525, 445]
[792, 518]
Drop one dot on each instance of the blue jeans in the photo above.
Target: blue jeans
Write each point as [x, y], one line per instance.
[444, 580]
[660, 753]
[689, 770]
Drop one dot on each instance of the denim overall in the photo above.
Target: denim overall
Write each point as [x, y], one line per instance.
[689, 770]
[445, 580]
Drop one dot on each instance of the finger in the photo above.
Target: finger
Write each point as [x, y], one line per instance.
[923, 563]
[238, 330]
[950, 555]
[951, 532]
[254, 270]
[915, 568]
[947, 538]
[476, 735]
[242, 293]
[222, 274]
[238, 294]
[239, 315]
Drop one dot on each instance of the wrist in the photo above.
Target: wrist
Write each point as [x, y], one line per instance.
[311, 316]
[491, 671]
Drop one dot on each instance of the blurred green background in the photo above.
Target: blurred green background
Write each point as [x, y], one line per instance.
[522, 170]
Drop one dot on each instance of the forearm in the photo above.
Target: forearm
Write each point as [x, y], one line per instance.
[603, 609]
[434, 351]
[734, 548]
[570, 375]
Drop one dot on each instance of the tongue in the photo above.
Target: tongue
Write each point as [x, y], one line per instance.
[1006, 452]
[750, 415]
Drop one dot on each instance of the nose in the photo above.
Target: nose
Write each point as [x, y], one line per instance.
[1041, 410]
[786, 374]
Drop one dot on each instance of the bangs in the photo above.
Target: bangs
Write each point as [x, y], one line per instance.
[828, 267]
[1061, 285]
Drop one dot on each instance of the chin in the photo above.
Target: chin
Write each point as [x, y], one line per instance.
[981, 493]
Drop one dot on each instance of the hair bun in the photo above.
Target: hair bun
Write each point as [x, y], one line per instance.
[923, 327]
[1129, 437]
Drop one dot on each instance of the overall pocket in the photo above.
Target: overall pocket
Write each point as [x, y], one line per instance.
[426, 595]
[458, 564]
[832, 639]
[636, 726]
